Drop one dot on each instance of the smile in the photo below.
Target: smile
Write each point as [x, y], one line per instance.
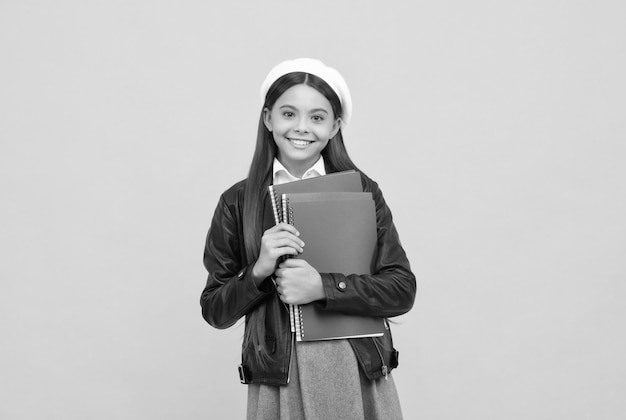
[299, 143]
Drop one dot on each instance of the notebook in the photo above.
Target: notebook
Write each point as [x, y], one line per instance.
[345, 181]
[339, 230]
[337, 221]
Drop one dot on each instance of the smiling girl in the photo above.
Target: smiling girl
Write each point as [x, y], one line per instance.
[305, 107]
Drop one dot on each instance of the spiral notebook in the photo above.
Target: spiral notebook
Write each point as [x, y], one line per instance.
[339, 229]
[346, 181]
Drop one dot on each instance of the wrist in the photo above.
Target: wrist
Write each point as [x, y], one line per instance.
[257, 275]
[321, 293]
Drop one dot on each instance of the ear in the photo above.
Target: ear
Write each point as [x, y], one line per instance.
[267, 119]
[336, 127]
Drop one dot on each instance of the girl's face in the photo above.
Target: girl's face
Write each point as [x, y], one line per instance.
[302, 122]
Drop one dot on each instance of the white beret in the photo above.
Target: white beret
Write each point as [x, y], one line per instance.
[309, 65]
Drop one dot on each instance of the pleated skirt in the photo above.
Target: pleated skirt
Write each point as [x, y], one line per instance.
[325, 383]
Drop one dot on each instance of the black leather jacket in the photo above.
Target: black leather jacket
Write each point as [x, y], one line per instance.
[230, 292]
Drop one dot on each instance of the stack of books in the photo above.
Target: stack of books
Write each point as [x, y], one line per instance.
[337, 222]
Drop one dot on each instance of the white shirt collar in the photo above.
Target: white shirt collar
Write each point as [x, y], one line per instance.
[282, 175]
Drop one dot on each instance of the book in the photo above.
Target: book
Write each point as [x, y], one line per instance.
[345, 181]
[339, 229]
[337, 221]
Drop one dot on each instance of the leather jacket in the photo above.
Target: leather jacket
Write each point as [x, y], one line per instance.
[230, 292]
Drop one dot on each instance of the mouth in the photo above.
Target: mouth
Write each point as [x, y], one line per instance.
[299, 143]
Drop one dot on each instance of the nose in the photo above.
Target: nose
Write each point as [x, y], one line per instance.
[301, 126]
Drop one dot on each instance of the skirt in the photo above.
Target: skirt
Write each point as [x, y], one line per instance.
[325, 383]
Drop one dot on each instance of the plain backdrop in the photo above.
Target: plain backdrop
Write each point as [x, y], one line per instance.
[494, 128]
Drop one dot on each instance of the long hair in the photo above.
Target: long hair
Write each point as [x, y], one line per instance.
[260, 177]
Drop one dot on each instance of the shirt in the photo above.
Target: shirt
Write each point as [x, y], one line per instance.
[282, 175]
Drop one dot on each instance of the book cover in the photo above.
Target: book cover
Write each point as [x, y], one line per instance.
[346, 181]
[339, 230]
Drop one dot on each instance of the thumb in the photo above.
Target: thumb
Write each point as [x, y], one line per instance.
[292, 263]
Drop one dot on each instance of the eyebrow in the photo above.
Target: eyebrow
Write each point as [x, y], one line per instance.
[312, 111]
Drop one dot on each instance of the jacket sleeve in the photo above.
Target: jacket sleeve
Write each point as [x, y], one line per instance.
[230, 292]
[390, 290]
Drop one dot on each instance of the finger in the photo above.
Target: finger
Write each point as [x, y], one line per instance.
[282, 277]
[283, 227]
[293, 263]
[281, 295]
[284, 251]
[275, 236]
[286, 242]
[289, 228]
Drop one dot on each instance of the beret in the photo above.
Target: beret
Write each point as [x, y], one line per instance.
[312, 66]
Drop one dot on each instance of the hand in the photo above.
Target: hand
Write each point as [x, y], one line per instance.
[297, 282]
[277, 241]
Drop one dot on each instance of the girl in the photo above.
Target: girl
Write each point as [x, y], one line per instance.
[305, 107]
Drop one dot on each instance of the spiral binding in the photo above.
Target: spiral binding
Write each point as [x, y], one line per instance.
[275, 208]
[285, 203]
[290, 215]
[299, 324]
[292, 320]
[278, 212]
[294, 311]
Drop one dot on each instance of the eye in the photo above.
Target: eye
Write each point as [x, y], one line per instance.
[288, 114]
[317, 118]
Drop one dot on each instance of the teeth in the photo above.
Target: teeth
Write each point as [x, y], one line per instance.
[300, 142]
